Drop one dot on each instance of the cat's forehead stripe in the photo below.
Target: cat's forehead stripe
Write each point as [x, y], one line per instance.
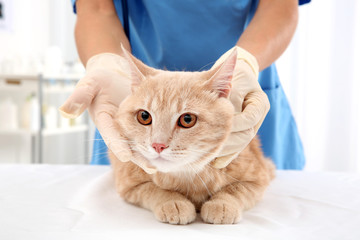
[167, 100]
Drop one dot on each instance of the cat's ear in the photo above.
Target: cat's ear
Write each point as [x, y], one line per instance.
[221, 76]
[138, 70]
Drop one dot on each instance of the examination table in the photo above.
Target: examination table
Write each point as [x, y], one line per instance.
[80, 202]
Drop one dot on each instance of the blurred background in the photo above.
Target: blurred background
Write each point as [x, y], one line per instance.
[39, 67]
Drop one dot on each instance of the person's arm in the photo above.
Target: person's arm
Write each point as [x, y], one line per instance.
[98, 29]
[100, 39]
[270, 30]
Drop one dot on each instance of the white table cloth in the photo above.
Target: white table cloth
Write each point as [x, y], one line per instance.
[80, 202]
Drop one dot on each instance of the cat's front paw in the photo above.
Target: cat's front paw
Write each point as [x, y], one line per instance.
[220, 212]
[176, 212]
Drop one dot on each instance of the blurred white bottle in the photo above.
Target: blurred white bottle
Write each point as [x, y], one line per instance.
[51, 118]
[9, 119]
[26, 113]
[35, 114]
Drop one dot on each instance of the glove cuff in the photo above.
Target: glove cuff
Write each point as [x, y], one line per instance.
[242, 55]
[248, 58]
[108, 61]
[223, 161]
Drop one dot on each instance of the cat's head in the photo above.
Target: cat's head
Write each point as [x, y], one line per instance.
[178, 121]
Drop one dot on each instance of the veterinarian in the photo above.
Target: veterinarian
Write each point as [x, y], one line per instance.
[188, 35]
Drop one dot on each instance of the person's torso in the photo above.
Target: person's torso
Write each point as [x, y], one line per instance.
[185, 35]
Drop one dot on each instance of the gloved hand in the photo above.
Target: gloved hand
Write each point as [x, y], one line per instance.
[105, 85]
[250, 102]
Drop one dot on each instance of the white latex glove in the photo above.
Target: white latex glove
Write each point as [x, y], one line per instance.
[250, 102]
[105, 85]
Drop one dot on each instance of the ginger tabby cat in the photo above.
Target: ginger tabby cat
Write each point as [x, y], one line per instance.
[178, 122]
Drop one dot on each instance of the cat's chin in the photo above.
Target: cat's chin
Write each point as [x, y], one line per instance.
[168, 166]
[164, 165]
[161, 160]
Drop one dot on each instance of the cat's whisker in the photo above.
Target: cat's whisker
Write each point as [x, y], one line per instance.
[100, 153]
[229, 183]
[244, 158]
[199, 151]
[92, 139]
[209, 166]
[207, 189]
[206, 65]
[86, 158]
[192, 176]
[202, 151]
[191, 180]
[118, 151]
[208, 175]
[141, 147]
[127, 142]
[117, 139]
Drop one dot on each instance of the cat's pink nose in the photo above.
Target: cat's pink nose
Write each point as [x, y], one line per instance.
[159, 147]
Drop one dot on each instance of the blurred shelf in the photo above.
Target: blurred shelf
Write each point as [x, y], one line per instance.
[17, 89]
[45, 132]
[43, 86]
[27, 88]
[19, 76]
[65, 83]
[62, 77]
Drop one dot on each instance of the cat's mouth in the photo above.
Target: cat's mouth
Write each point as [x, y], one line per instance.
[161, 159]
[162, 164]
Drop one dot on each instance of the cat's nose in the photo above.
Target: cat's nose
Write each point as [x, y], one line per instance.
[159, 147]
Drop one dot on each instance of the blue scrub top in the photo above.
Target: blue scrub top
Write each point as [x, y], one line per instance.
[191, 35]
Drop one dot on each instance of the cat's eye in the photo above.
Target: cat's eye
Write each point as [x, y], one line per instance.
[144, 117]
[187, 120]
